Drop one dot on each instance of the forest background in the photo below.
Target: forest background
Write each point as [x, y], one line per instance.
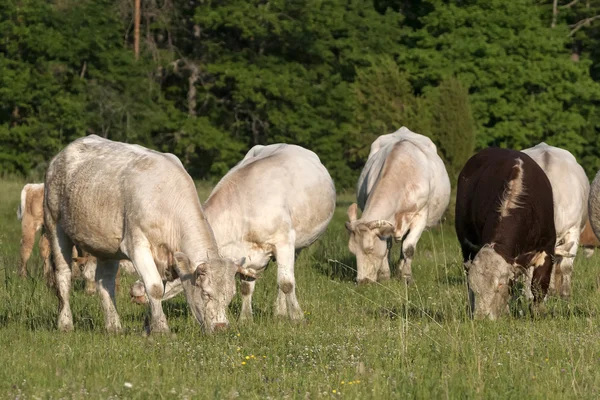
[206, 80]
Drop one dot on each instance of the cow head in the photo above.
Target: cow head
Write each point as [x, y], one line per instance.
[209, 288]
[368, 241]
[489, 277]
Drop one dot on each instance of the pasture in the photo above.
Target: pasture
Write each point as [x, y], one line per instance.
[377, 341]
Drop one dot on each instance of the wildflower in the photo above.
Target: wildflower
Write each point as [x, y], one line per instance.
[264, 356]
[128, 385]
[334, 391]
[358, 381]
[342, 382]
[243, 362]
[238, 349]
[247, 357]
[252, 356]
[238, 334]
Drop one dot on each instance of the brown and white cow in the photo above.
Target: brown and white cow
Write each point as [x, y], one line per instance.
[505, 224]
[588, 240]
[403, 189]
[570, 190]
[277, 200]
[121, 201]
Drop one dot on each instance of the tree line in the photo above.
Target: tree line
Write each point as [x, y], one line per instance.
[206, 80]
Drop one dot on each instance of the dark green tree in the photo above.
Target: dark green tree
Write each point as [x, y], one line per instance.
[453, 125]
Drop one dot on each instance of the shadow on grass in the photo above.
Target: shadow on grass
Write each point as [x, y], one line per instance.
[408, 311]
[343, 269]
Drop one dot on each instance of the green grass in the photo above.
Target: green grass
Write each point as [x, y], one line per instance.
[377, 341]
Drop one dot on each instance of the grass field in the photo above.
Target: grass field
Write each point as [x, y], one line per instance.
[377, 341]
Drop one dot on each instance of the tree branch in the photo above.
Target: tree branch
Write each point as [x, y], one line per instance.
[582, 23]
[571, 4]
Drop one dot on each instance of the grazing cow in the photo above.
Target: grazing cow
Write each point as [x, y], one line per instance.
[570, 191]
[588, 240]
[122, 201]
[402, 189]
[31, 215]
[277, 200]
[505, 225]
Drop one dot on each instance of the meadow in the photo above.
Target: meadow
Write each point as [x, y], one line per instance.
[375, 341]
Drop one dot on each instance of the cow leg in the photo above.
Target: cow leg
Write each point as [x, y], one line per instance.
[563, 285]
[247, 289]
[153, 285]
[287, 303]
[540, 283]
[527, 279]
[89, 274]
[409, 245]
[61, 251]
[105, 275]
[384, 272]
[45, 254]
[28, 230]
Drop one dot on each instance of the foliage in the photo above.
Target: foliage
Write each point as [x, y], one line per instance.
[454, 125]
[214, 78]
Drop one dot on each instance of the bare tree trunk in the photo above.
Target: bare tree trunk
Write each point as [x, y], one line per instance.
[554, 12]
[191, 94]
[136, 29]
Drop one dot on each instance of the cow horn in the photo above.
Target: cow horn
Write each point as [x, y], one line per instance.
[563, 253]
[247, 272]
[379, 223]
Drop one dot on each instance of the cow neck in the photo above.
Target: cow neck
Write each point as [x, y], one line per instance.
[227, 232]
[197, 238]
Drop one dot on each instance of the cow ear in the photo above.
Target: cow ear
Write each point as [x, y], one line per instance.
[349, 226]
[182, 264]
[201, 273]
[467, 265]
[352, 213]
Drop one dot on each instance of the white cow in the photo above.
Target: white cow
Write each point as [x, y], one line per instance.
[278, 199]
[570, 191]
[403, 188]
[31, 214]
[121, 201]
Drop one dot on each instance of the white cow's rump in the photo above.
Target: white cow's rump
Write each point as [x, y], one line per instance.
[570, 191]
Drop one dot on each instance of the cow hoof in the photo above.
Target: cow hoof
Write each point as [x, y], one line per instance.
[246, 318]
[114, 329]
[407, 279]
[65, 327]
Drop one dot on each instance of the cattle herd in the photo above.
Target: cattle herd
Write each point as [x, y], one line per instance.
[106, 206]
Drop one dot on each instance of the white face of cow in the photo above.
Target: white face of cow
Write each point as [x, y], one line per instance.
[489, 277]
[368, 241]
[208, 288]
